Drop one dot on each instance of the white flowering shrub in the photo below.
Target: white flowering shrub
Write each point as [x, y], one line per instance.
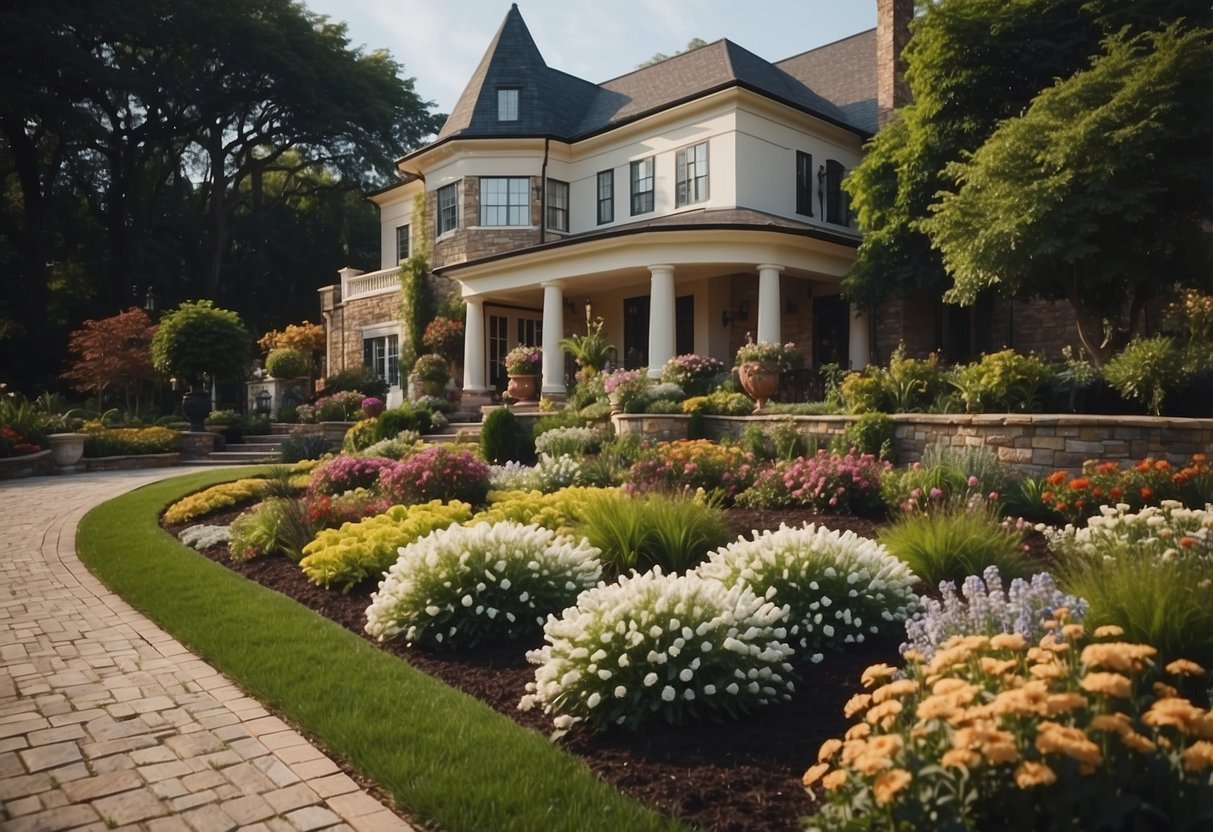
[1164, 531]
[513, 476]
[466, 584]
[839, 587]
[551, 473]
[205, 535]
[571, 441]
[660, 647]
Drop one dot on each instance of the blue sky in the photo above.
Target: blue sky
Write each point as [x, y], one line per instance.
[439, 42]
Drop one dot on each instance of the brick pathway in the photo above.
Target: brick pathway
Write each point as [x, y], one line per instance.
[106, 722]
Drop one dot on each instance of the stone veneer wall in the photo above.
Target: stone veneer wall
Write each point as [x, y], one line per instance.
[355, 314]
[1033, 443]
[471, 241]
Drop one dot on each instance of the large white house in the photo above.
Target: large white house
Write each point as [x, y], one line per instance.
[687, 204]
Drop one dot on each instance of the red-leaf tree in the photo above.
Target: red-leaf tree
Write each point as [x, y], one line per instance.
[114, 351]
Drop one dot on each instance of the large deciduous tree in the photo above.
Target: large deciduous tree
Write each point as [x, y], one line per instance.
[1099, 194]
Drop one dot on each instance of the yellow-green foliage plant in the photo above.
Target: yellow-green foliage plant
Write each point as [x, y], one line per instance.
[558, 511]
[349, 555]
[1074, 732]
[216, 498]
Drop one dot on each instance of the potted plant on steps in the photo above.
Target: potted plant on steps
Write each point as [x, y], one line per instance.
[759, 366]
[195, 340]
[522, 365]
[591, 351]
[433, 372]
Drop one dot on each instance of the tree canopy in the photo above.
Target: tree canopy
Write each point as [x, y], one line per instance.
[973, 67]
[196, 146]
[1098, 193]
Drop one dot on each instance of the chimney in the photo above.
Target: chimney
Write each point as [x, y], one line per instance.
[892, 31]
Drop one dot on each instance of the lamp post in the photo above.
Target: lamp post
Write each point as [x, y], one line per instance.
[821, 192]
[149, 302]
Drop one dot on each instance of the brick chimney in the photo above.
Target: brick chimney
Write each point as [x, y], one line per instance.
[892, 31]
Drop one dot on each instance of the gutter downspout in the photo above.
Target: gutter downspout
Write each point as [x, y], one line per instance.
[543, 194]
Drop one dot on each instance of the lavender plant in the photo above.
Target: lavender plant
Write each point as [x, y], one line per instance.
[983, 607]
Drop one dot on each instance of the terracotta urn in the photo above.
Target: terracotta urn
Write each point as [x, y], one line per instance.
[759, 380]
[523, 388]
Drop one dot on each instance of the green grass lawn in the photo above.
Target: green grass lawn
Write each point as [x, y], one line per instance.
[446, 758]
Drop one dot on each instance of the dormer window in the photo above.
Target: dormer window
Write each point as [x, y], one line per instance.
[507, 104]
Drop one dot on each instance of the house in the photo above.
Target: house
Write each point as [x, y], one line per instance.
[688, 203]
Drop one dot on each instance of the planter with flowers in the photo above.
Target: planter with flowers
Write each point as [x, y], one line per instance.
[522, 365]
[759, 365]
[433, 372]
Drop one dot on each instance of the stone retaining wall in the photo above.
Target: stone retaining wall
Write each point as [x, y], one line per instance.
[1034, 443]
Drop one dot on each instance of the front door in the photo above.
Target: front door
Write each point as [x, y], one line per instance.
[831, 332]
[636, 332]
[684, 325]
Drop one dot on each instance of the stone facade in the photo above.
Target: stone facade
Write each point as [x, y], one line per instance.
[471, 241]
[1034, 444]
[892, 33]
[651, 427]
[345, 322]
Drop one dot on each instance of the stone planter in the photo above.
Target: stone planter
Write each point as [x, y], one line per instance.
[67, 449]
[523, 388]
[759, 380]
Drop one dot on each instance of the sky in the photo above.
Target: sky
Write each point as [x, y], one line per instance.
[440, 42]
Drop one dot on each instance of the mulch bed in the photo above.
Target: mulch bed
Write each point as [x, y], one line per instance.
[741, 776]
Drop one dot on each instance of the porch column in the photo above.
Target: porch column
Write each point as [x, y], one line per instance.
[662, 322]
[473, 348]
[769, 308]
[553, 331]
[858, 338]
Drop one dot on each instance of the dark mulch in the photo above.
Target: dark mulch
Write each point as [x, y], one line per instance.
[741, 776]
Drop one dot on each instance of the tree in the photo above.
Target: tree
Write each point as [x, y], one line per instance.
[1100, 193]
[114, 351]
[198, 339]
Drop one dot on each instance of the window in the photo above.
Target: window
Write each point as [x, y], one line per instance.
[507, 104]
[804, 183]
[558, 205]
[606, 196]
[642, 186]
[402, 243]
[505, 200]
[835, 209]
[382, 355]
[448, 209]
[691, 168]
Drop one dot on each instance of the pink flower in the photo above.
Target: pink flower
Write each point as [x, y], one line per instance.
[972, 482]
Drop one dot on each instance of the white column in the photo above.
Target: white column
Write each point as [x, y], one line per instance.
[473, 348]
[553, 331]
[859, 340]
[662, 321]
[769, 308]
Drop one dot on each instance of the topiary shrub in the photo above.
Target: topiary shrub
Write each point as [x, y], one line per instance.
[198, 338]
[288, 363]
[504, 439]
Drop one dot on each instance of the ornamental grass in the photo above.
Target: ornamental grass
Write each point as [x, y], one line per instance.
[1076, 731]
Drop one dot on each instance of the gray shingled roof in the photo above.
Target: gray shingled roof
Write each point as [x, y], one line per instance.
[554, 103]
[844, 72]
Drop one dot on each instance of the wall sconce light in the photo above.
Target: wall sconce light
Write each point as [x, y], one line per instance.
[742, 314]
[589, 311]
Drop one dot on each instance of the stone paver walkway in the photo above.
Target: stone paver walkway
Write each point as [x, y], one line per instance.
[108, 723]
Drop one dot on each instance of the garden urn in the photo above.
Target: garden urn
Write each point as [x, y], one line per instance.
[523, 388]
[67, 449]
[759, 380]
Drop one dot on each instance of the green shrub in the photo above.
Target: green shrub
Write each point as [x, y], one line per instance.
[913, 384]
[198, 338]
[872, 433]
[288, 363]
[390, 423]
[657, 406]
[568, 441]
[866, 391]
[347, 556]
[504, 439]
[432, 368]
[277, 526]
[1146, 370]
[360, 436]
[128, 441]
[839, 588]
[359, 379]
[672, 532]
[1005, 381]
[465, 584]
[720, 403]
[301, 445]
[953, 543]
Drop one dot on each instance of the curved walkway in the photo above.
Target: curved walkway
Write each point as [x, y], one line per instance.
[106, 722]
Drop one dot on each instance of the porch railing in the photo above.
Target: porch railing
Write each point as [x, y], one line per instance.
[370, 283]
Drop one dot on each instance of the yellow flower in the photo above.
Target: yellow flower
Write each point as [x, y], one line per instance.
[1046, 670]
[1112, 723]
[1181, 714]
[1198, 756]
[894, 690]
[951, 685]
[1138, 742]
[996, 667]
[1109, 631]
[886, 744]
[1184, 667]
[884, 713]
[1031, 774]
[1049, 642]
[1072, 630]
[1000, 753]
[876, 673]
[857, 731]
[960, 758]
[828, 749]
[1109, 684]
[1052, 738]
[889, 784]
[1116, 655]
[1058, 703]
[1031, 698]
[1164, 691]
[1008, 641]
[869, 763]
[814, 774]
[834, 780]
[856, 703]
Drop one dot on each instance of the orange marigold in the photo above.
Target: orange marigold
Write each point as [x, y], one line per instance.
[890, 784]
[834, 780]
[1031, 773]
[876, 673]
[1109, 684]
[1198, 756]
[1185, 667]
[828, 749]
[814, 773]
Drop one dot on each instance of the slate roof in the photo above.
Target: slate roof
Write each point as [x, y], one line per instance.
[554, 103]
